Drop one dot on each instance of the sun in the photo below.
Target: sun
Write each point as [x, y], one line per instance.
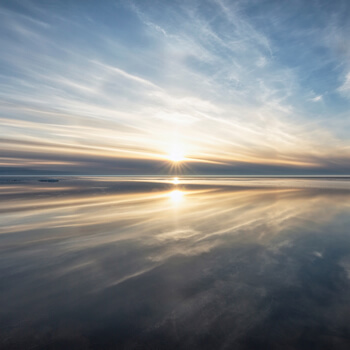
[176, 159]
[176, 155]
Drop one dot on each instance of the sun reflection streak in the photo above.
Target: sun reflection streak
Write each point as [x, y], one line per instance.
[176, 181]
[176, 196]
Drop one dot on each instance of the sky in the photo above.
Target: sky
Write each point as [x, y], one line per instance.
[198, 87]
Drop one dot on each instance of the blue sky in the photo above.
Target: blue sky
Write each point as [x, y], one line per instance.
[157, 87]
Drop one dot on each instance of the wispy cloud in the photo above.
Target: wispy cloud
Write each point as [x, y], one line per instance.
[131, 80]
[345, 87]
[316, 98]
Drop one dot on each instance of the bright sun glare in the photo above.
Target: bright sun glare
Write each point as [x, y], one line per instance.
[176, 196]
[176, 155]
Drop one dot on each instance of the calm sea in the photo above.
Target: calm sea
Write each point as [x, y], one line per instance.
[174, 263]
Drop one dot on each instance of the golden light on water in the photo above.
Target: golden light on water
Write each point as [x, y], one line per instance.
[176, 181]
[176, 196]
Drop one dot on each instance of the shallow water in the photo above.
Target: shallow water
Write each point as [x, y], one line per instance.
[174, 263]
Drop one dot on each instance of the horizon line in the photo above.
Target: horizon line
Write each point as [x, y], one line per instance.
[169, 175]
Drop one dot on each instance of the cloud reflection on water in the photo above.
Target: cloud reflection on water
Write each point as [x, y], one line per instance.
[201, 255]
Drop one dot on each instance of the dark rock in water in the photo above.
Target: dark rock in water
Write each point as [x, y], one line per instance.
[48, 180]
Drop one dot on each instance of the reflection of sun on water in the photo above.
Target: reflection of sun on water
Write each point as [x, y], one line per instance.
[176, 196]
[176, 181]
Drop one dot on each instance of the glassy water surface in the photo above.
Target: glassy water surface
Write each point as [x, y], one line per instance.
[174, 263]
